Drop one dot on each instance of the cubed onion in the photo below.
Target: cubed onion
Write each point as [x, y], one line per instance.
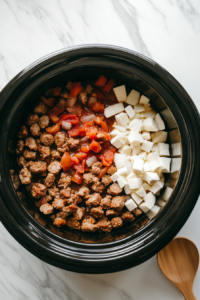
[91, 160]
[71, 102]
[87, 118]
[66, 125]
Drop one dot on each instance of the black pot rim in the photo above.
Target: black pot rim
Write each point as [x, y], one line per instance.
[130, 251]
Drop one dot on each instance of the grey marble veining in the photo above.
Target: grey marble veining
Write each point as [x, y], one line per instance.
[167, 31]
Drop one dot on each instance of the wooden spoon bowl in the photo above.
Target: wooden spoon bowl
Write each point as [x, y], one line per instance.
[179, 262]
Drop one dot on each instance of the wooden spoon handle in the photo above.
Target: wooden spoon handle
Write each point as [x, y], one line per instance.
[189, 295]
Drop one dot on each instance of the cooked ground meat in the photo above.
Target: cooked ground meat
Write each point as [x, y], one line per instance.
[111, 213]
[97, 212]
[40, 109]
[31, 143]
[49, 180]
[76, 197]
[38, 190]
[144, 221]
[37, 167]
[128, 217]
[35, 129]
[44, 121]
[53, 191]
[54, 167]
[94, 200]
[25, 176]
[73, 143]
[23, 132]
[117, 203]
[83, 97]
[98, 187]
[46, 209]
[106, 202]
[137, 212]
[20, 147]
[73, 223]
[15, 179]
[88, 225]
[111, 170]
[60, 139]
[28, 154]
[116, 222]
[61, 103]
[45, 151]
[114, 189]
[79, 214]
[69, 85]
[59, 222]
[104, 225]
[66, 193]
[64, 148]
[71, 209]
[64, 181]
[64, 94]
[43, 200]
[106, 180]
[55, 154]
[89, 178]
[89, 88]
[58, 203]
[76, 110]
[46, 139]
[84, 191]
[32, 119]
[22, 161]
[96, 167]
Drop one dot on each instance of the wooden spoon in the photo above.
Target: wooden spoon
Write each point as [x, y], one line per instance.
[179, 262]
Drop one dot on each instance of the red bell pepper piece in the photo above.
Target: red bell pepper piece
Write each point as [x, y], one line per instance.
[102, 172]
[98, 120]
[109, 85]
[56, 91]
[107, 158]
[54, 113]
[97, 94]
[74, 160]
[48, 102]
[66, 162]
[98, 107]
[81, 167]
[73, 119]
[54, 129]
[95, 147]
[74, 131]
[75, 89]
[104, 126]
[81, 155]
[54, 119]
[77, 178]
[101, 81]
[85, 149]
[92, 132]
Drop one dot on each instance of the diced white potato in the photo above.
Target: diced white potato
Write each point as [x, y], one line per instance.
[165, 164]
[146, 186]
[129, 166]
[154, 165]
[139, 108]
[120, 93]
[122, 171]
[135, 125]
[135, 183]
[153, 212]
[146, 135]
[150, 125]
[130, 111]
[137, 116]
[146, 167]
[176, 149]
[147, 146]
[167, 193]
[160, 123]
[121, 181]
[148, 114]
[120, 160]
[155, 148]
[133, 97]
[138, 166]
[141, 192]
[142, 155]
[114, 109]
[152, 156]
[163, 149]
[125, 149]
[150, 177]
[130, 204]
[115, 176]
[136, 150]
[135, 139]
[161, 203]
[122, 119]
[149, 201]
[156, 187]
[118, 133]
[176, 164]
[131, 175]
[136, 198]
[127, 189]
[117, 142]
[159, 137]
[144, 100]
[120, 128]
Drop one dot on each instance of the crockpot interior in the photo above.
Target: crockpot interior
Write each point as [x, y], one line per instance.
[83, 74]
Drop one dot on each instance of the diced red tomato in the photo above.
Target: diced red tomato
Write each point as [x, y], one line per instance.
[87, 124]
[113, 149]
[81, 155]
[85, 149]
[102, 172]
[82, 131]
[101, 81]
[109, 85]
[104, 126]
[81, 167]
[95, 147]
[98, 107]
[98, 120]
[92, 132]
[73, 119]
[76, 131]
[98, 95]
[107, 158]
[75, 89]
[56, 91]
[77, 178]
[74, 160]
[66, 162]
[53, 130]
[48, 102]
[105, 163]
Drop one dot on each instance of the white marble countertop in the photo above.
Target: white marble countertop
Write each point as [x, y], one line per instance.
[168, 31]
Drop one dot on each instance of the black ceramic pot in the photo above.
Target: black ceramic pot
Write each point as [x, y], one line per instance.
[124, 249]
